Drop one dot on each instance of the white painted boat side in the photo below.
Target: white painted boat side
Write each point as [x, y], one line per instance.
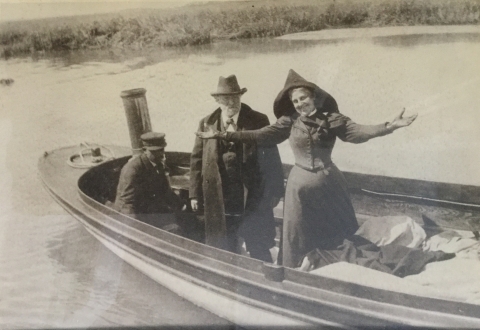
[224, 305]
[221, 305]
[230, 306]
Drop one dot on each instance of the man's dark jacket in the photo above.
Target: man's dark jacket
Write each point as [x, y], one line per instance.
[143, 192]
[262, 176]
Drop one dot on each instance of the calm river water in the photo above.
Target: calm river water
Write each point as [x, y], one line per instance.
[54, 274]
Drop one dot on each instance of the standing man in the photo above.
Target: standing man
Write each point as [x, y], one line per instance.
[236, 184]
[143, 190]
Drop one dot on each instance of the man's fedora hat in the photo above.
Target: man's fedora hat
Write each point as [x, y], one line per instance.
[228, 86]
[153, 141]
[283, 106]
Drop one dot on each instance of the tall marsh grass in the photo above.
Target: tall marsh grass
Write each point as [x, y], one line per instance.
[202, 24]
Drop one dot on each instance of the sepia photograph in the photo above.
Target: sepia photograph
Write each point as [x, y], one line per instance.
[239, 164]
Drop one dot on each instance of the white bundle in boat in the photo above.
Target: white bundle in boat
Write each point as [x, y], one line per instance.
[400, 230]
[459, 242]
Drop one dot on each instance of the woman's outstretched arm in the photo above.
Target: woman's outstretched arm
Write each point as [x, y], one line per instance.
[266, 136]
[349, 131]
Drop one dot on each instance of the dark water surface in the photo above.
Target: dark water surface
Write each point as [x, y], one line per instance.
[54, 274]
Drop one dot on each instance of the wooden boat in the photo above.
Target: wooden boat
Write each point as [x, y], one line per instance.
[247, 291]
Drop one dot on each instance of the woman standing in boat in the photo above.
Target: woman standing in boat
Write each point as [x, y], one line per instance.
[318, 212]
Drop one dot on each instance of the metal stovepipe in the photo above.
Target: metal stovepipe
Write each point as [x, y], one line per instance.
[138, 118]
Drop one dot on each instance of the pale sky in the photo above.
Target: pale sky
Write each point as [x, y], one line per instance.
[20, 9]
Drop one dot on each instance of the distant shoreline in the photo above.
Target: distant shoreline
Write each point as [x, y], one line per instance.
[206, 23]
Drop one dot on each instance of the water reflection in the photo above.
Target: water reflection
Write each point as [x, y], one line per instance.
[237, 49]
[425, 39]
[222, 50]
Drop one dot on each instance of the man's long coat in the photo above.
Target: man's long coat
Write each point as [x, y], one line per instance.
[262, 175]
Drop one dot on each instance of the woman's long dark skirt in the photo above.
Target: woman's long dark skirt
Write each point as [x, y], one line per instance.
[318, 213]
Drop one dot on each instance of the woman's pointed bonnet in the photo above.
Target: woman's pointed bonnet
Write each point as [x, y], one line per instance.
[283, 106]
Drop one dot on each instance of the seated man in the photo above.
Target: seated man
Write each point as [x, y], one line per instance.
[144, 190]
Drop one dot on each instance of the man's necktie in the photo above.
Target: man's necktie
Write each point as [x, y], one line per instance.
[166, 170]
[230, 123]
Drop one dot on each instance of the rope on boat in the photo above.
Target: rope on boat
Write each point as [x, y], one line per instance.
[95, 154]
[420, 198]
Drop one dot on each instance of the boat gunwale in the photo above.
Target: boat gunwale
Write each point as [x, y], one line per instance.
[307, 296]
[226, 257]
[291, 274]
[298, 316]
[451, 194]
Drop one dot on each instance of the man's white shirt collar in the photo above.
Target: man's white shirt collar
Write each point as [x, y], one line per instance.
[225, 118]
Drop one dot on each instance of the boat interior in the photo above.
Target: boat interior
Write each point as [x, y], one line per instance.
[437, 210]
[100, 183]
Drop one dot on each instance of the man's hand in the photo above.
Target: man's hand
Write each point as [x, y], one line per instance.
[194, 204]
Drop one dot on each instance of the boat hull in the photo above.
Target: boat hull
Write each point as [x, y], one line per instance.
[239, 289]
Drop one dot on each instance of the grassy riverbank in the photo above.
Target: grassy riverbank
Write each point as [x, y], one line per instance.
[205, 23]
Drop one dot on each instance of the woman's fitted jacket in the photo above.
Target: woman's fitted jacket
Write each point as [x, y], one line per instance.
[311, 138]
[318, 211]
